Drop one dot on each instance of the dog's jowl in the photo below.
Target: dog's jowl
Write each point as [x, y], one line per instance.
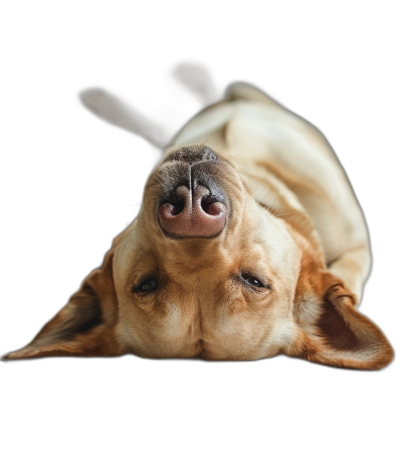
[249, 243]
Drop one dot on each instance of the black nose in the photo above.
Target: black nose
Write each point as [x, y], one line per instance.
[192, 154]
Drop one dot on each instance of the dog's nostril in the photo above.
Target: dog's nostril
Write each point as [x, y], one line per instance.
[213, 208]
[205, 204]
[177, 207]
[175, 210]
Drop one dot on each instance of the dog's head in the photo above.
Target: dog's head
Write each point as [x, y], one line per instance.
[207, 271]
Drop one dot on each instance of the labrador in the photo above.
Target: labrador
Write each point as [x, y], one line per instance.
[249, 243]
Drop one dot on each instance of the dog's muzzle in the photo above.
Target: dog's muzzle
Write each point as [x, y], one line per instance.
[193, 204]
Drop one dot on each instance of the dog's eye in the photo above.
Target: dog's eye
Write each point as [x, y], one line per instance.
[147, 286]
[253, 281]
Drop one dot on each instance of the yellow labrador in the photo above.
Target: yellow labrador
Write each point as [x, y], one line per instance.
[249, 243]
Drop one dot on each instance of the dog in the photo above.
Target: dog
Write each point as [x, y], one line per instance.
[249, 243]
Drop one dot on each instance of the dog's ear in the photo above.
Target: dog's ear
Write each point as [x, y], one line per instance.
[332, 332]
[113, 110]
[85, 326]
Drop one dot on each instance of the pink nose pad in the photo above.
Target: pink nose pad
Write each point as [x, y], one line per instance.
[193, 215]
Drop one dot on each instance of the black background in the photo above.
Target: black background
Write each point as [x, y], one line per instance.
[72, 182]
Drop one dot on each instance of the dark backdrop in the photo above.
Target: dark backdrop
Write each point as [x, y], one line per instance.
[73, 182]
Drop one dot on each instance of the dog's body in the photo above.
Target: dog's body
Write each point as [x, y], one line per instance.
[290, 168]
[250, 242]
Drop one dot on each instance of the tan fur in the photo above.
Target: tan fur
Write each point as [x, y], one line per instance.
[295, 223]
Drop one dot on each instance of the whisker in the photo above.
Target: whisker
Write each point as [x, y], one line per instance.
[247, 328]
[278, 214]
[254, 312]
[149, 321]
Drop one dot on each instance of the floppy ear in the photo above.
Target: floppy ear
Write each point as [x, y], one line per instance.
[332, 332]
[110, 108]
[85, 326]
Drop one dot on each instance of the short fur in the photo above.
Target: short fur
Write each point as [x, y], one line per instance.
[294, 222]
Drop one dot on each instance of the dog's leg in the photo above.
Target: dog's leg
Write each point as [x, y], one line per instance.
[353, 268]
[196, 80]
[113, 110]
[110, 108]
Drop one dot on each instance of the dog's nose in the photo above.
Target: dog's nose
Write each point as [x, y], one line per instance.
[192, 214]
